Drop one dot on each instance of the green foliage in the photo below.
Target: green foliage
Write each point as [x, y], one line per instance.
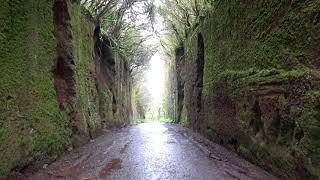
[162, 120]
[182, 20]
[120, 22]
[166, 120]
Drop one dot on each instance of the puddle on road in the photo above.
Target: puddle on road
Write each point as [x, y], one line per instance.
[111, 166]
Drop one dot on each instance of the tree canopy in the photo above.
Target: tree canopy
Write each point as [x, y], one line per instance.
[126, 22]
[182, 19]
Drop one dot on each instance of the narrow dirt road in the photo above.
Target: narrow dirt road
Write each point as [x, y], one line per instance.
[151, 151]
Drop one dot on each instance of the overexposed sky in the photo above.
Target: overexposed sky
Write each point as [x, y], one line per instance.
[155, 76]
[155, 79]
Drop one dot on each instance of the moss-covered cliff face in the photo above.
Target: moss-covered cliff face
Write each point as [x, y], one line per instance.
[258, 90]
[113, 83]
[50, 97]
[31, 124]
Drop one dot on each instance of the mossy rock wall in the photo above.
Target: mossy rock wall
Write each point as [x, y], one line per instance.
[171, 103]
[86, 89]
[37, 121]
[31, 124]
[114, 85]
[259, 94]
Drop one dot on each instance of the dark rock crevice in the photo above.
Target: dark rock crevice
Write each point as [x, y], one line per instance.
[180, 55]
[199, 72]
[113, 78]
[64, 66]
[195, 85]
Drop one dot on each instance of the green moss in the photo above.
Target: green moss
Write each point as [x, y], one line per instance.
[184, 121]
[166, 120]
[260, 35]
[184, 117]
[309, 123]
[279, 77]
[269, 157]
[263, 49]
[105, 104]
[297, 126]
[30, 118]
[85, 83]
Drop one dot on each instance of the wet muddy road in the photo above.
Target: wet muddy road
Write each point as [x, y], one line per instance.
[151, 151]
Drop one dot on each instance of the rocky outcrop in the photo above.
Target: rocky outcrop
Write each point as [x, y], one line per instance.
[252, 83]
[179, 55]
[113, 83]
[175, 86]
[56, 91]
[64, 68]
[268, 118]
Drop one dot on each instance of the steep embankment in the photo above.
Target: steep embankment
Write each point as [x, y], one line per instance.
[251, 82]
[53, 93]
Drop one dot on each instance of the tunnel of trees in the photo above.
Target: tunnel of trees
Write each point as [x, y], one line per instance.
[244, 74]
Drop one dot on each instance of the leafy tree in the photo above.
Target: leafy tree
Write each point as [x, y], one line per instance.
[182, 18]
[119, 20]
[126, 23]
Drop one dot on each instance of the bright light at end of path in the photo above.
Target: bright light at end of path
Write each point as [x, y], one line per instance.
[155, 79]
